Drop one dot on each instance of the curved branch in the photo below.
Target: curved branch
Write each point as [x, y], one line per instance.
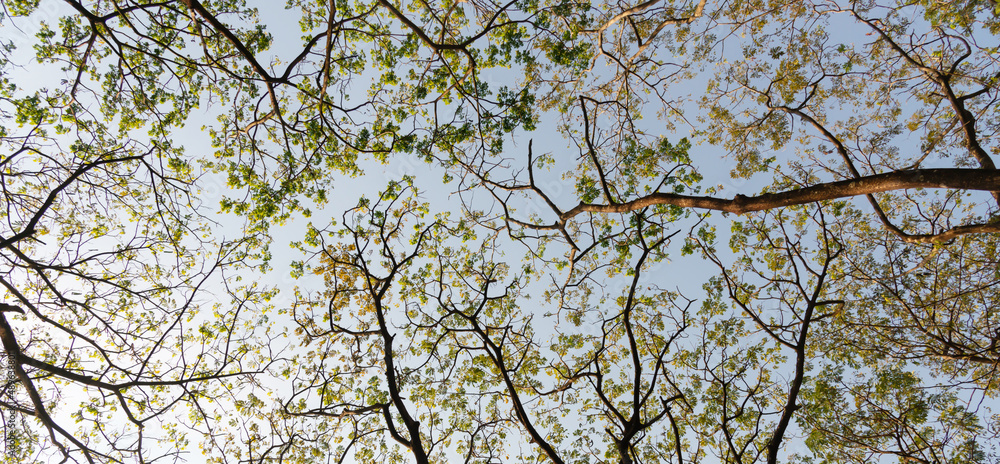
[964, 179]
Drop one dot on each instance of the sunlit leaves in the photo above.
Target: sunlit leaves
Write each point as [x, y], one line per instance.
[540, 312]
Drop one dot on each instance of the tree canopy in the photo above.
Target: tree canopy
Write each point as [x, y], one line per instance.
[554, 231]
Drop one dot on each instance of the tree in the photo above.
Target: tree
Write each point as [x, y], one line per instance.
[108, 257]
[548, 315]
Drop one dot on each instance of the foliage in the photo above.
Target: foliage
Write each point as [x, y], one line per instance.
[501, 294]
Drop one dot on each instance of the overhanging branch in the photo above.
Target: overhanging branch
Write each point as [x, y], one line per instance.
[956, 179]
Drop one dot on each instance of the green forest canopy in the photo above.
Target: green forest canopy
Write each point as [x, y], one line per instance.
[518, 286]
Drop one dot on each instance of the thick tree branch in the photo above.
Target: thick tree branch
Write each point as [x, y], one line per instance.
[879, 211]
[965, 179]
[13, 350]
[30, 227]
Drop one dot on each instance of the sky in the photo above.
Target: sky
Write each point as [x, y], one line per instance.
[684, 273]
